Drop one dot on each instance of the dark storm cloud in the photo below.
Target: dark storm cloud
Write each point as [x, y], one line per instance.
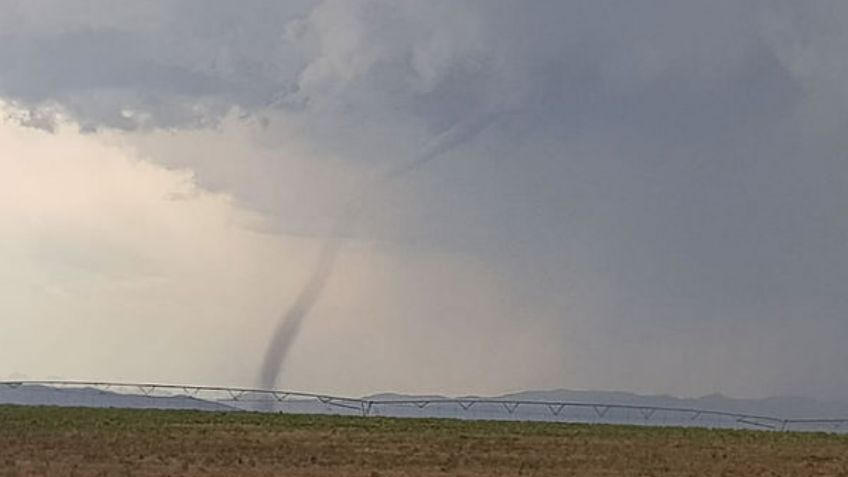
[673, 181]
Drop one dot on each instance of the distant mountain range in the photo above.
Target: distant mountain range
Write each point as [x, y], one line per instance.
[38, 395]
[629, 408]
[784, 407]
[552, 405]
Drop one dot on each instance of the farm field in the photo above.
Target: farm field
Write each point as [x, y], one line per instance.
[91, 442]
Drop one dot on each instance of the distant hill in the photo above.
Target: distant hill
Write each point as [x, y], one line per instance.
[37, 395]
[784, 406]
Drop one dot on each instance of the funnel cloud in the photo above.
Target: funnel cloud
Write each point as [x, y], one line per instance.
[288, 328]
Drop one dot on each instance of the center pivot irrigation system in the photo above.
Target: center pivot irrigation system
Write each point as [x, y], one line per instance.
[173, 396]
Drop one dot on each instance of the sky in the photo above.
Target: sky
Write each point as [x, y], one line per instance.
[639, 196]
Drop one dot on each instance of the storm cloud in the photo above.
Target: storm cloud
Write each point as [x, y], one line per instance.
[664, 205]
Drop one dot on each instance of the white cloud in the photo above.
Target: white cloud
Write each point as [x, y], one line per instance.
[118, 265]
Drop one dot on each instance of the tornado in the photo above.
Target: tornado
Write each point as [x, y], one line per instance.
[290, 323]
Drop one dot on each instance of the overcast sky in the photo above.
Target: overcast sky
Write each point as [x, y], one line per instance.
[652, 197]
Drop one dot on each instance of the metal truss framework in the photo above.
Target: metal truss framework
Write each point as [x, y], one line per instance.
[248, 399]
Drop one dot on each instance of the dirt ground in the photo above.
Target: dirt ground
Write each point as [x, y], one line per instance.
[91, 442]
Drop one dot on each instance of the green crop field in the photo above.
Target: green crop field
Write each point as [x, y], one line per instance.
[88, 442]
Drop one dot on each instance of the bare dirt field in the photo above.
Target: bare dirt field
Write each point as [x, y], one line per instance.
[90, 442]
